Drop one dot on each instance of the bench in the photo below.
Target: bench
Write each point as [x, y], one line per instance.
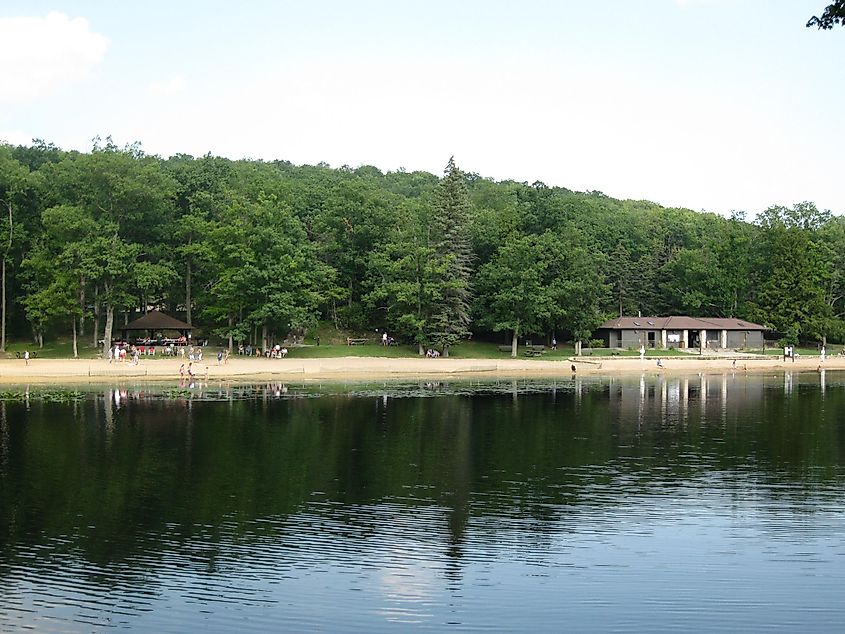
[533, 351]
[355, 342]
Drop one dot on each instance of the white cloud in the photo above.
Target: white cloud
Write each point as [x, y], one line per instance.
[40, 55]
[168, 88]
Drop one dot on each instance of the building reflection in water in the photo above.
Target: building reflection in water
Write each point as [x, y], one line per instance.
[674, 398]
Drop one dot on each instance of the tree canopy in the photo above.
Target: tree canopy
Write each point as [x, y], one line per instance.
[833, 14]
[253, 251]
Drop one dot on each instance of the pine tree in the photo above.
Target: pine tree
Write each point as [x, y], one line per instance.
[449, 316]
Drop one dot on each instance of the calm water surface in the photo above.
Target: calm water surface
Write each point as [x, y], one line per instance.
[703, 503]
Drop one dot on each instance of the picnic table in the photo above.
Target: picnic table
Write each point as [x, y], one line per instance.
[534, 351]
[351, 341]
[32, 355]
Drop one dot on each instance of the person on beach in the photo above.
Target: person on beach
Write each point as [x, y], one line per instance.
[823, 354]
[554, 343]
[642, 352]
[182, 371]
[26, 357]
[384, 338]
[219, 357]
[191, 369]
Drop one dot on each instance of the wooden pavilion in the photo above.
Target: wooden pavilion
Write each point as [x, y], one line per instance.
[156, 323]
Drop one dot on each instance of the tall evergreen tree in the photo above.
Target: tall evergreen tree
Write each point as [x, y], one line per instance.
[449, 315]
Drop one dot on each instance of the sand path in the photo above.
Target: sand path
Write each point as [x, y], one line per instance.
[362, 368]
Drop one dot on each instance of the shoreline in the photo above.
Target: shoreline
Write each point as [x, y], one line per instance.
[14, 371]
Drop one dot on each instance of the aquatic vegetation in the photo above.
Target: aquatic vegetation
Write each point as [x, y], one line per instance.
[48, 396]
[176, 392]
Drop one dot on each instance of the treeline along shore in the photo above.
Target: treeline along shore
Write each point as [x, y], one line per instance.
[253, 251]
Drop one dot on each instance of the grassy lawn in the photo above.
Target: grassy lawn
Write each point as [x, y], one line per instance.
[651, 352]
[63, 349]
[59, 349]
[466, 350]
[810, 352]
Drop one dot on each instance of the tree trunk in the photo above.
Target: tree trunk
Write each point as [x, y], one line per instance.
[5, 256]
[446, 351]
[421, 349]
[75, 348]
[514, 343]
[96, 317]
[81, 307]
[578, 347]
[40, 340]
[188, 293]
[263, 337]
[231, 322]
[3, 317]
[108, 329]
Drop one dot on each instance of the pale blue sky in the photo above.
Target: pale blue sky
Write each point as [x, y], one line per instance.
[707, 104]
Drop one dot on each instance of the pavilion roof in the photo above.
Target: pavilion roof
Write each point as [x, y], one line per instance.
[156, 320]
[680, 322]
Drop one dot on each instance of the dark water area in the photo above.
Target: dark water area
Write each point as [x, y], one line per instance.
[704, 503]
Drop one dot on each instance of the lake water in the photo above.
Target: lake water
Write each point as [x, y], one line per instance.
[702, 503]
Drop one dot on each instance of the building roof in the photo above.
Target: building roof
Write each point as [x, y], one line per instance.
[680, 322]
[156, 320]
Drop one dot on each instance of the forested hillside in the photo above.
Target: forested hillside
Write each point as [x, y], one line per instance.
[252, 250]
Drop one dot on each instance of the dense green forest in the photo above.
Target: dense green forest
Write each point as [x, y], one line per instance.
[254, 251]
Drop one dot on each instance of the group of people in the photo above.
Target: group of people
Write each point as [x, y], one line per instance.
[431, 353]
[274, 352]
[386, 340]
[120, 352]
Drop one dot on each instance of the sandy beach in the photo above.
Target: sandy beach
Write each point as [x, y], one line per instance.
[14, 371]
